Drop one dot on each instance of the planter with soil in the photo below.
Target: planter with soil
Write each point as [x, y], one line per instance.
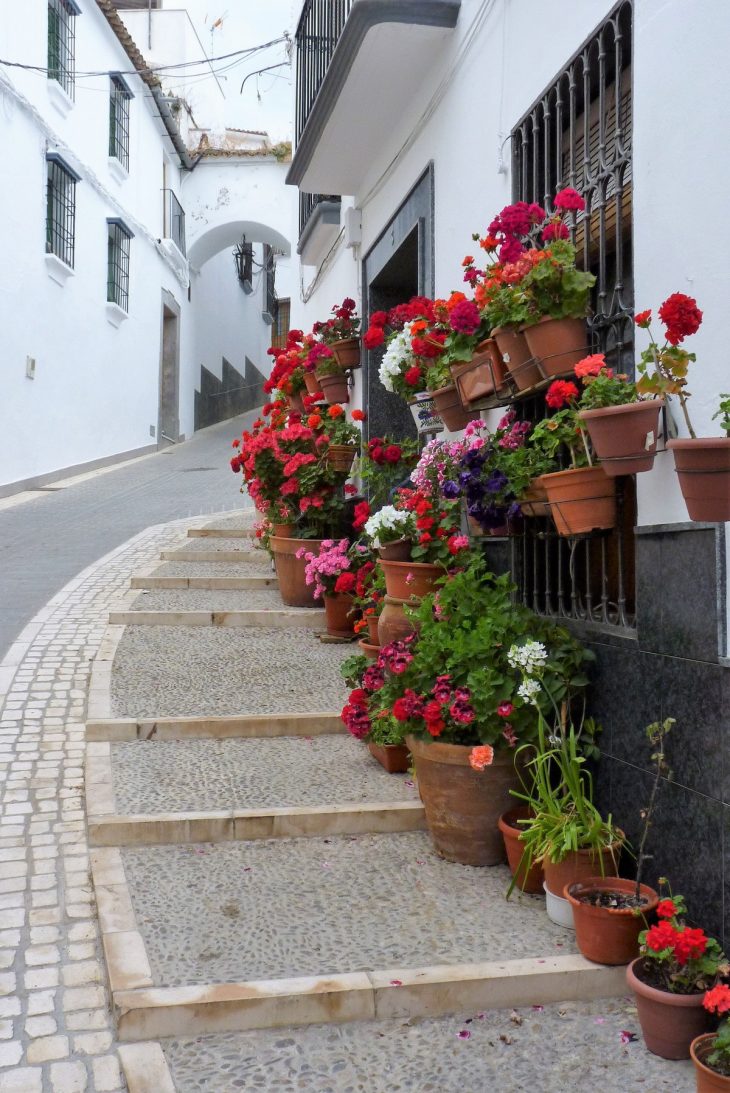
[669, 1022]
[395, 758]
[608, 917]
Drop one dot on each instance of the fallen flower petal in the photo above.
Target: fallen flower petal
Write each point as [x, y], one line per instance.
[464, 1034]
[628, 1037]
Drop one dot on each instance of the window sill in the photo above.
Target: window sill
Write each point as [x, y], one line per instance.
[115, 314]
[58, 271]
[59, 98]
[117, 169]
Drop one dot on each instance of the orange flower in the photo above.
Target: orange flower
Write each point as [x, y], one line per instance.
[481, 757]
[314, 421]
[454, 299]
[358, 415]
[335, 411]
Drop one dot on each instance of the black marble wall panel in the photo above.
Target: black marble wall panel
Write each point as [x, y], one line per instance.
[232, 394]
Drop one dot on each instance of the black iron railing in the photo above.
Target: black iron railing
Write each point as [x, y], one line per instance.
[320, 26]
[60, 210]
[62, 43]
[119, 97]
[308, 203]
[118, 247]
[270, 302]
[174, 220]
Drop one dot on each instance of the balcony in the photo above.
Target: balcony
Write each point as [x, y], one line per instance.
[319, 225]
[358, 62]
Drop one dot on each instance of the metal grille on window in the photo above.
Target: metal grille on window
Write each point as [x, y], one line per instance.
[61, 44]
[119, 121]
[269, 310]
[579, 134]
[280, 329]
[60, 211]
[118, 248]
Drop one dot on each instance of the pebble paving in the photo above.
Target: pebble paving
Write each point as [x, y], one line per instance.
[557, 1048]
[214, 569]
[281, 907]
[163, 671]
[245, 547]
[216, 599]
[190, 775]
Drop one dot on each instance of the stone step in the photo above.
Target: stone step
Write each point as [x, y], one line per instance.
[188, 791]
[216, 600]
[300, 931]
[544, 1048]
[201, 671]
[188, 555]
[243, 568]
[221, 533]
[287, 617]
[212, 728]
[205, 583]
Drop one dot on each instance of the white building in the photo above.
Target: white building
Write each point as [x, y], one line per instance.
[115, 339]
[419, 121]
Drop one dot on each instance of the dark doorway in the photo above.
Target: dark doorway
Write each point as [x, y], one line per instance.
[398, 266]
[168, 428]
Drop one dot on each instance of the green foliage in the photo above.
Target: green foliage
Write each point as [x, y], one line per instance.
[328, 366]
[386, 730]
[508, 307]
[608, 390]
[552, 434]
[723, 413]
[555, 289]
[353, 668]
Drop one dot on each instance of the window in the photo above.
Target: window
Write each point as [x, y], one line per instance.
[61, 43]
[117, 281]
[579, 134]
[280, 329]
[119, 97]
[269, 309]
[60, 209]
[174, 215]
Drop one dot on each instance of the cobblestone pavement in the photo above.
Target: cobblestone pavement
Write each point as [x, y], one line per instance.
[55, 1028]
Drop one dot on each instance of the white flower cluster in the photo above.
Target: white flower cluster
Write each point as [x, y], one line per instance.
[529, 658]
[387, 519]
[397, 358]
[528, 690]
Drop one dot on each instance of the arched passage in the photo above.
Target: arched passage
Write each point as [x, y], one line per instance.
[226, 234]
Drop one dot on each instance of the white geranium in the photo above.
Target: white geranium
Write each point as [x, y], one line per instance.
[530, 658]
[528, 691]
[386, 525]
[397, 358]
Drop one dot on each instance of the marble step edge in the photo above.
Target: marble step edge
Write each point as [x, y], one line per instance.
[99, 701]
[221, 533]
[220, 727]
[204, 583]
[258, 557]
[145, 1068]
[272, 618]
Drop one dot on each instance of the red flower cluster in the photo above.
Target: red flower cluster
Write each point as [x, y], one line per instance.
[717, 1000]
[418, 307]
[684, 942]
[381, 453]
[444, 701]
[560, 393]
[681, 317]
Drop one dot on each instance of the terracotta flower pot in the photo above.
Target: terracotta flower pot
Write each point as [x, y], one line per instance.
[340, 457]
[410, 580]
[399, 551]
[669, 1022]
[312, 384]
[581, 500]
[293, 588]
[296, 403]
[606, 935]
[462, 805]
[339, 614]
[484, 375]
[448, 404]
[703, 466]
[334, 388]
[578, 865]
[347, 352]
[424, 414]
[624, 437]
[557, 345]
[393, 624]
[534, 500]
[283, 531]
[395, 758]
[372, 652]
[517, 357]
[530, 880]
[372, 621]
[708, 1080]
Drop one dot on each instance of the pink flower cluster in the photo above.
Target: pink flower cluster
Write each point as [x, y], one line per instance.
[324, 568]
[514, 431]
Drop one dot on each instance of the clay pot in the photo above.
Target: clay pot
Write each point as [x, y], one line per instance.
[669, 1022]
[703, 466]
[283, 531]
[372, 652]
[347, 352]
[312, 383]
[293, 588]
[624, 437]
[534, 500]
[340, 457]
[581, 500]
[334, 388]
[339, 614]
[393, 624]
[395, 758]
[708, 1080]
[449, 408]
[603, 934]
[410, 580]
[462, 805]
[484, 375]
[557, 344]
[372, 621]
[517, 357]
[526, 880]
[399, 551]
[579, 865]
[296, 402]
[424, 414]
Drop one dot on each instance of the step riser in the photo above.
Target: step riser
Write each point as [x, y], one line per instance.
[125, 730]
[309, 620]
[205, 583]
[221, 533]
[257, 557]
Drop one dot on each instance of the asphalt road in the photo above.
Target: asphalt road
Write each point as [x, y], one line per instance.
[46, 541]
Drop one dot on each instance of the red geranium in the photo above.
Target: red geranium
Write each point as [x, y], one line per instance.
[560, 393]
[681, 317]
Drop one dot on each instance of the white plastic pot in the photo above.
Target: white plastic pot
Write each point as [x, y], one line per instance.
[558, 910]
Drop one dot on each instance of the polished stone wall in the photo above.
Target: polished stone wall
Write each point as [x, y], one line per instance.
[232, 394]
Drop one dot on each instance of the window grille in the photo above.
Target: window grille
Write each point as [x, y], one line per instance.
[280, 329]
[579, 134]
[62, 43]
[119, 98]
[60, 209]
[118, 247]
[174, 220]
[270, 302]
[318, 32]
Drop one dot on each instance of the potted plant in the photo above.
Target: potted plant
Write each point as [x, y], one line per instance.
[384, 464]
[381, 732]
[583, 497]
[342, 334]
[711, 1053]
[391, 530]
[330, 377]
[702, 463]
[344, 436]
[329, 571]
[622, 426]
[532, 879]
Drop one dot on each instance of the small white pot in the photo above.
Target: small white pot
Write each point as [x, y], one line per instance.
[558, 910]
